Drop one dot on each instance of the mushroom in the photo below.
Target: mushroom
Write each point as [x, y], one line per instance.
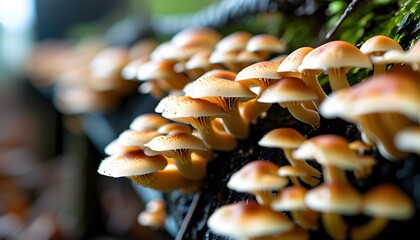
[227, 94]
[148, 171]
[292, 199]
[132, 138]
[334, 199]
[336, 195]
[199, 63]
[179, 146]
[154, 214]
[258, 75]
[290, 93]
[289, 67]
[290, 139]
[129, 71]
[383, 202]
[409, 57]
[131, 163]
[377, 46]
[199, 113]
[381, 105]
[148, 121]
[163, 72]
[260, 178]
[335, 58]
[265, 44]
[248, 220]
[174, 127]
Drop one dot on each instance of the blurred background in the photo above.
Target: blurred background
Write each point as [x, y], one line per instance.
[49, 187]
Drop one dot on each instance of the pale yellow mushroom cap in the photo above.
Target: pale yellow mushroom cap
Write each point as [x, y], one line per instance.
[335, 54]
[243, 220]
[130, 164]
[282, 138]
[256, 176]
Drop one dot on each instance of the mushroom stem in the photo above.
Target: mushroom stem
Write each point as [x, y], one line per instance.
[370, 229]
[379, 68]
[313, 174]
[217, 140]
[338, 79]
[264, 197]
[302, 218]
[335, 225]
[194, 170]
[311, 80]
[303, 114]
[333, 174]
[235, 124]
[253, 109]
[374, 128]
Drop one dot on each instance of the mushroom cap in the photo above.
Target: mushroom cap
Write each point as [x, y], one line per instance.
[247, 57]
[334, 197]
[155, 69]
[282, 138]
[196, 36]
[388, 200]
[180, 107]
[221, 73]
[129, 71]
[257, 175]
[259, 70]
[222, 57]
[329, 149]
[114, 148]
[379, 43]
[209, 86]
[176, 141]
[389, 92]
[265, 42]
[408, 139]
[130, 164]
[288, 89]
[133, 138]
[335, 54]
[109, 61]
[148, 121]
[244, 220]
[199, 60]
[290, 198]
[289, 66]
[233, 42]
[412, 55]
[173, 127]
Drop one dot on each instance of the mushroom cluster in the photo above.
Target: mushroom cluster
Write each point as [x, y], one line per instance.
[212, 89]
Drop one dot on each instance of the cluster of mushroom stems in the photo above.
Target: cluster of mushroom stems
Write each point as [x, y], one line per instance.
[212, 88]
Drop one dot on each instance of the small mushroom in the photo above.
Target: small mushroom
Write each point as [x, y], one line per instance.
[148, 121]
[258, 75]
[335, 58]
[383, 202]
[154, 215]
[179, 146]
[248, 220]
[292, 199]
[227, 94]
[289, 67]
[377, 46]
[289, 140]
[290, 93]
[265, 44]
[199, 113]
[259, 178]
